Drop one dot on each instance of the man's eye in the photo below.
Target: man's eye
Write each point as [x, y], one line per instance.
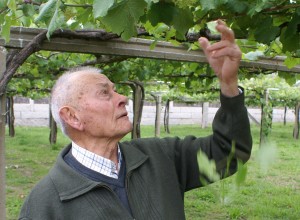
[104, 92]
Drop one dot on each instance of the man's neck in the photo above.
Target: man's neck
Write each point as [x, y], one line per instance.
[107, 149]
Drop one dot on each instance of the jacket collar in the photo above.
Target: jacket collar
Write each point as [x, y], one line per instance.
[70, 184]
[133, 156]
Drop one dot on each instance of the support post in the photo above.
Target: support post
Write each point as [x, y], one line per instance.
[138, 103]
[167, 116]
[205, 109]
[296, 123]
[3, 54]
[157, 98]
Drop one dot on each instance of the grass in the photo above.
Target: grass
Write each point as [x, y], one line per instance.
[270, 191]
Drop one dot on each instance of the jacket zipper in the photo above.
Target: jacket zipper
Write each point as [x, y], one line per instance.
[109, 189]
[127, 191]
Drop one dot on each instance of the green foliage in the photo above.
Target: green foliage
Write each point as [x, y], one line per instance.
[100, 8]
[286, 94]
[207, 167]
[171, 15]
[241, 173]
[267, 156]
[35, 78]
[121, 18]
[290, 36]
[266, 122]
[263, 27]
[266, 32]
[261, 21]
[46, 11]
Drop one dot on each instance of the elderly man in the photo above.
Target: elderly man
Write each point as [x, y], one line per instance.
[98, 177]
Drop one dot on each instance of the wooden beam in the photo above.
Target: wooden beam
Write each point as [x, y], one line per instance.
[267, 63]
[3, 54]
[135, 47]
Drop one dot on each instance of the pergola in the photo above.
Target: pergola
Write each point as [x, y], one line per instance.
[72, 42]
[135, 47]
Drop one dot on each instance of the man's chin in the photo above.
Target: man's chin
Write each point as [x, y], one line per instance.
[129, 129]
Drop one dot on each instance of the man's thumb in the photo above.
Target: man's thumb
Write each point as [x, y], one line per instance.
[204, 43]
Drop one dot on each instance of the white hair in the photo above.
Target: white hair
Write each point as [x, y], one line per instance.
[62, 93]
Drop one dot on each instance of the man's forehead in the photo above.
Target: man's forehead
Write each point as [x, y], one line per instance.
[86, 79]
[101, 81]
[96, 77]
[105, 84]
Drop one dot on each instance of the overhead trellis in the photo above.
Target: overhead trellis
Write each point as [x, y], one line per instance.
[26, 41]
[100, 42]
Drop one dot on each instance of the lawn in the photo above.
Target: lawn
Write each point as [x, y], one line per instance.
[271, 189]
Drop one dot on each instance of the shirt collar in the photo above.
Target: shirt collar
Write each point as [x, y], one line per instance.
[95, 162]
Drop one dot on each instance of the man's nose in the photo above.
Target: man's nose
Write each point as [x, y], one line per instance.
[123, 100]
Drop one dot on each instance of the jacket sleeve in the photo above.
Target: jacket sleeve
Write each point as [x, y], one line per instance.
[230, 141]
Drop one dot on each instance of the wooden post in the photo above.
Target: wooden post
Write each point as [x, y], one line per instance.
[296, 123]
[10, 116]
[167, 116]
[157, 98]
[263, 125]
[53, 128]
[205, 108]
[2, 136]
[266, 116]
[138, 103]
[284, 116]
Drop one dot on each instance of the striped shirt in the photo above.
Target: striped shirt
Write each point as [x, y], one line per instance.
[96, 162]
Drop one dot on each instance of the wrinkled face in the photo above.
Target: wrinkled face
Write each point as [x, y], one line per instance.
[101, 109]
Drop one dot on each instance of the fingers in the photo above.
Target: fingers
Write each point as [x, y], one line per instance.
[226, 32]
[204, 43]
[224, 48]
[219, 45]
[232, 53]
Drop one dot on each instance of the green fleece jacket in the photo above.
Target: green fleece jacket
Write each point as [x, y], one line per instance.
[158, 172]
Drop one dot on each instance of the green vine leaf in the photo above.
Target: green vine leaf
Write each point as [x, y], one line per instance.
[266, 32]
[169, 14]
[161, 12]
[100, 7]
[238, 6]
[46, 11]
[122, 18]
[267, 156]
[182, 25]
[207, 167]
[5, 30]
[290, 36]
[291, 62]
[56, 21]
[208, 5]
[11, 4]
[241, 173]
[28, 10]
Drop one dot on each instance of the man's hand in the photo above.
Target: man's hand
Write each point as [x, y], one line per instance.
[224, 58]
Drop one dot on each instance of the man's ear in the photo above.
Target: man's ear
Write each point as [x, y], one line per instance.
[69, 116]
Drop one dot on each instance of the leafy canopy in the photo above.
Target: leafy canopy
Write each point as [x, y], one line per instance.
[273, 23]
[262, 27]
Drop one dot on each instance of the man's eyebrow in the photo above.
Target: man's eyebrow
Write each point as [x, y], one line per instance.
[102, 85]
[106, 85]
